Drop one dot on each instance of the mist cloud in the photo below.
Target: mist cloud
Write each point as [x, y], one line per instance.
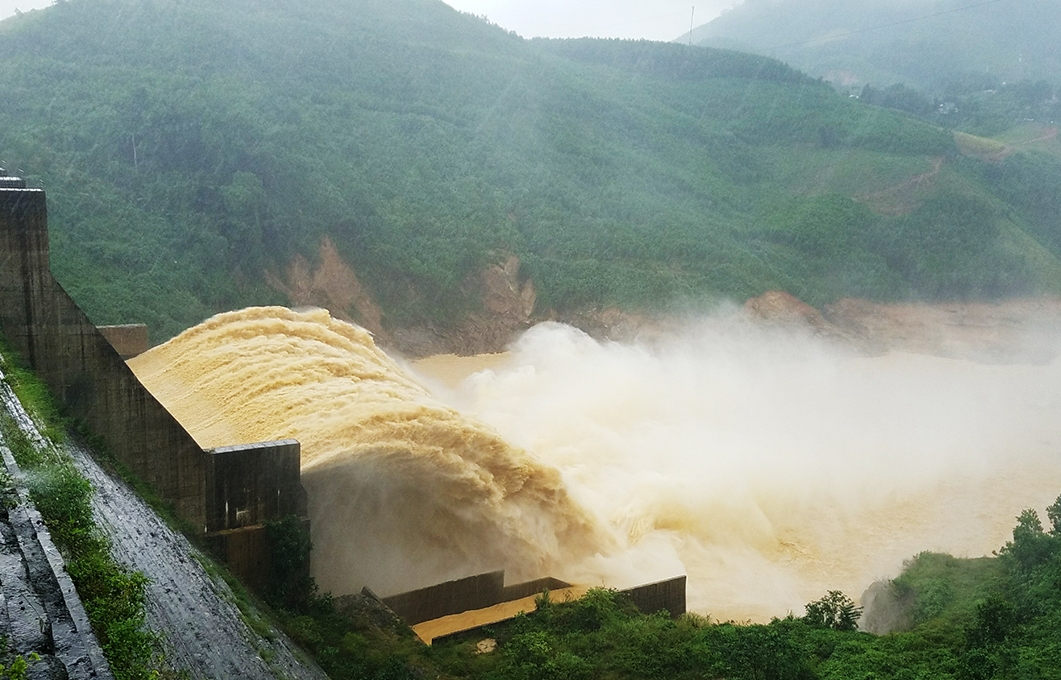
[769, 466]
[653, 20]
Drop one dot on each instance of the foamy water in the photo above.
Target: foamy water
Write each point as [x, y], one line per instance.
[404, 492]
[766, 466]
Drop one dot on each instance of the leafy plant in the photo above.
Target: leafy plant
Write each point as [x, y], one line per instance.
[289, 552]
[19, 667]
[836, 611]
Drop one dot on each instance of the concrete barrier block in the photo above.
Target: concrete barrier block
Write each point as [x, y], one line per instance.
[667, 595]
[128, 340]
[452, 597]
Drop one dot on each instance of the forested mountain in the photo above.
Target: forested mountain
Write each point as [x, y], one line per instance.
[938, 46]
[191, 147]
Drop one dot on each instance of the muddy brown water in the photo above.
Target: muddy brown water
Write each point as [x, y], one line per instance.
[404, 492]
[767, 464]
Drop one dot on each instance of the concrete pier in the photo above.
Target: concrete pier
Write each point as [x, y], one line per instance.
[128, 340]
[88, 376]
[247, 486]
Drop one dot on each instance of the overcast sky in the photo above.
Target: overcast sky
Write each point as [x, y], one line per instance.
[652, 19]
[7, 7]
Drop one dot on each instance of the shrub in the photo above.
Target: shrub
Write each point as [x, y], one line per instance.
[836, 611]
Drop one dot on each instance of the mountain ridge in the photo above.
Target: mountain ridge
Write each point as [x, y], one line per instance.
[191, 147]
[883, 43]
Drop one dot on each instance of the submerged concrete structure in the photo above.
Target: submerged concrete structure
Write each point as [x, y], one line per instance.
[221, 492]
[485, 591]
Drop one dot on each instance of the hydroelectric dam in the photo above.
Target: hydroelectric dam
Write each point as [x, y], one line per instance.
[227, 494]
[251, 409]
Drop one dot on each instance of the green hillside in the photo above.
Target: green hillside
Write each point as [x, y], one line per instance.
[988, 618]
[190, 146]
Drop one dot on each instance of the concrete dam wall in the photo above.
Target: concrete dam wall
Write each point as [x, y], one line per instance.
[226, 494]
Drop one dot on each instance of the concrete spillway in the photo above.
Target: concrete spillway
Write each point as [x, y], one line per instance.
[404, 492]
[226, 495]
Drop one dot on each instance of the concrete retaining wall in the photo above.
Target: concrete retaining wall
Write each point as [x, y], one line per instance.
[82, 369]
[519, 591]
[452, 597]
[666, 595]
[246, 554]
[251, 483]
[466, 594]
[486, 590]
[222, 492]
[246, 486]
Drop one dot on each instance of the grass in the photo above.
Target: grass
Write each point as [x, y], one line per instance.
[1034, 136]
[853, 172]
[980, 148]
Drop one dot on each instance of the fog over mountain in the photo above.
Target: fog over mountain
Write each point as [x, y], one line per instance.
[11, 7]
[924, 44]
[203, 156]
[648, 19]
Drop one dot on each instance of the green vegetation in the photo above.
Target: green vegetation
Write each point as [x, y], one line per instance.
[364, 640]
[986, 618]
[353, 645]
[290, 547]
[113, 596]
[980, 68]
[969, 619]
[982, 618]
[836, 611]
[19, 665]
[190, 147]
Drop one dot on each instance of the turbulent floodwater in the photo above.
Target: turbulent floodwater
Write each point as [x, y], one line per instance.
[767, 466]
[404, 492]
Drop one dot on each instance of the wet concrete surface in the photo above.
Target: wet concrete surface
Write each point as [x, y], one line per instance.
[203, 630]
[203, 633]
[40, 611]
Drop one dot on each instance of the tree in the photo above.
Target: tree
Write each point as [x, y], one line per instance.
[835, 610]
[1030, 546]
[1054, 514]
